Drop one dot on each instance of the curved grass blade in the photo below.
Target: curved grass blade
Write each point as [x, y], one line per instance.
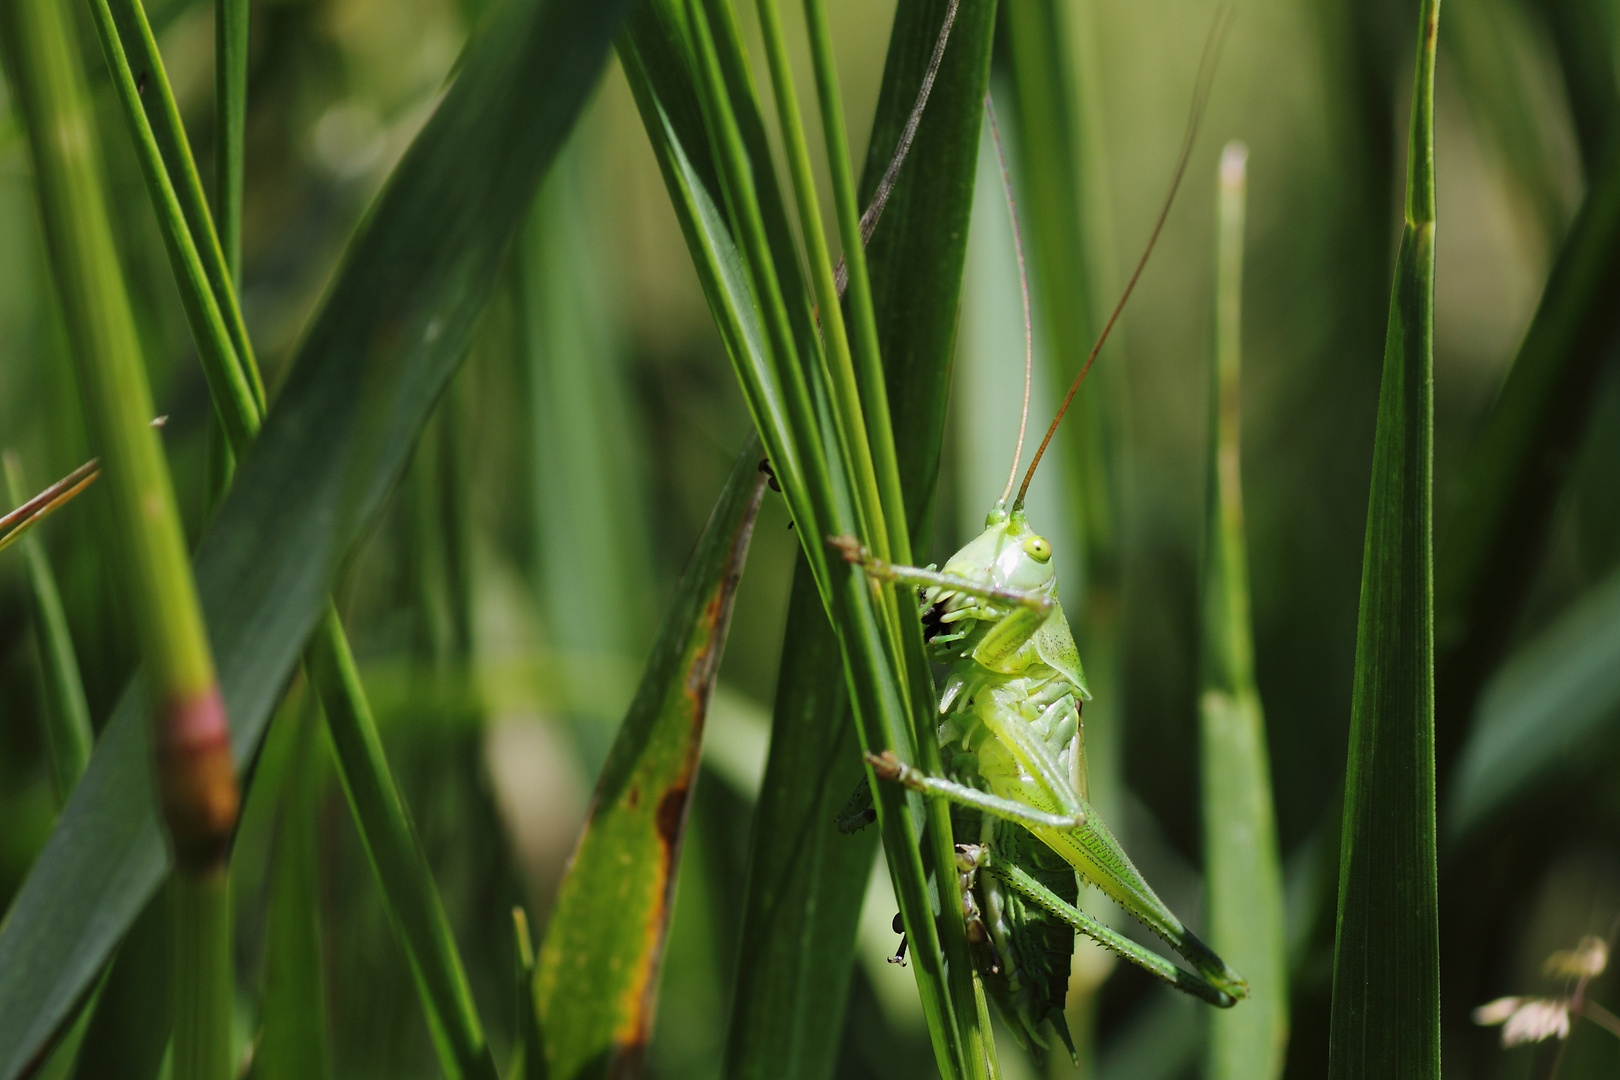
[1551, 700]
[1386, 958]
[394, 326]
[1241, 869]
[806, 881]
[596, 978]
[68, 735]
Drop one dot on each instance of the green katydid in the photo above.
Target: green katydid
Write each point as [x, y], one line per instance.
[1012, 740]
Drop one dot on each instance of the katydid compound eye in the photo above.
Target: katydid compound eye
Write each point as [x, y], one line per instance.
[1037, 548]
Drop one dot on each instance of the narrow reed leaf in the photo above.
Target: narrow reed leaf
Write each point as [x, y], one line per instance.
[392, 329]
[1548, 704]
[596, 978]
[1385, 1019]
[1243, 878]
[1513, 475]
[396, 855]
[68, 735]
[292, 1042]
[806, 880]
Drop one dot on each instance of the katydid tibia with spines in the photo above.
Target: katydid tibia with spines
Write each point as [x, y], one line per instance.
[1013, 746]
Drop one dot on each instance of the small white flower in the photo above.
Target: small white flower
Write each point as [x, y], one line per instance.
[1496, 1012]
[1585, 961]
[1528, 1019]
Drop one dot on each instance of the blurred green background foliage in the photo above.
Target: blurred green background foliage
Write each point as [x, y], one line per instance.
[502, 607]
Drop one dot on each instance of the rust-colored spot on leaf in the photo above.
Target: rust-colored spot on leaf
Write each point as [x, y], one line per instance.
[671, 811]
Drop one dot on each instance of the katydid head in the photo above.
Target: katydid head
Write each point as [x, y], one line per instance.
[1008, 554]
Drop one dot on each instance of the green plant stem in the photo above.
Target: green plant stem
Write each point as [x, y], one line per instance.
[841, 366]
[787, 415]
[170, 174]
[196, 778]
[204, 991]
[230, 127]
[153, 118]
[913, 660]
[68, 735]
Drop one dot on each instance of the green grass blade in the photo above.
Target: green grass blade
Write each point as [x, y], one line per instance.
[596, 978]
[1386, 958]
[1243, 878]
[1513, 478]
[170, 174]
[393, 328]
[396, 855]
[230, 126]
[128, 1033]
[1551, 700]
[292, 1037]
[528, 1050]
[68, 735]
[806, 881]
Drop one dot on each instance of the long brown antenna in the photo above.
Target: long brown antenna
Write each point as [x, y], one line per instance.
[1023, 285]
[1206, 76]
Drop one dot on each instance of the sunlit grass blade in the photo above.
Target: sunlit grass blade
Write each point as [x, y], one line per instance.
[1243, 879]
[31, 511]
[806, 881]
[787, 388]
[596, 978]
[1513, 475]
[1386, 956]
[1548, 703]
[392, 329]
[68, 735]
[292, 1042]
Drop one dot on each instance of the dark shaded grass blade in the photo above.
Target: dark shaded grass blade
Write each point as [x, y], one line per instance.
[129, 1029]
[1549, 703]
[806, 881]
[596, 978]
[393, 328]
[68, 735]
[1492, 545]
[1386, 960]
[1242, 874]
[292, 1042]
